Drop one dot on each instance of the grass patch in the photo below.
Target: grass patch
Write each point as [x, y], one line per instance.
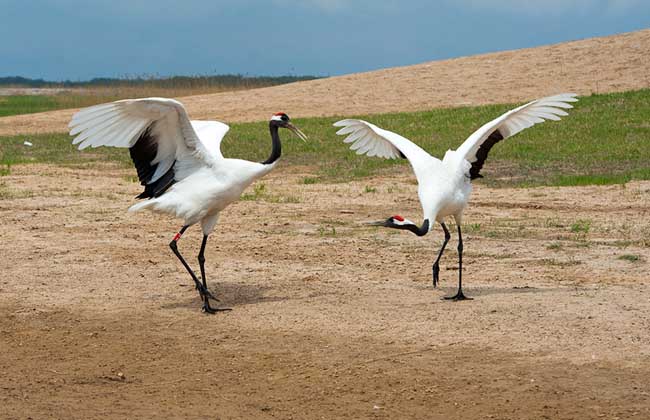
[326, 231]
[554, 246]
[557, 263]
[622, 243]
[259, 190]
[581, 226]
[309, 180]
[553, 223]
[369, 189]
[7, 193]
[472, 227]
[56, 149]
[630, 257]
[27, 104]
[582, 243]
[260, 193]
[602, 141]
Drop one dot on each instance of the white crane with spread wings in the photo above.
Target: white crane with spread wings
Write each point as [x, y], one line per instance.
[444, 186]
[179, 162]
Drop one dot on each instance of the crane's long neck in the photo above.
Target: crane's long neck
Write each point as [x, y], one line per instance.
[420, 231]
[276, 152]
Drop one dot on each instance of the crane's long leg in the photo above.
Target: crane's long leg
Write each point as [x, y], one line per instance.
[203, 291]
[436, 265]
[459, 295]
[202, 260]
[207, 296]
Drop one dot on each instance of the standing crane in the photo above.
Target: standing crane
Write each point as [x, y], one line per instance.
[178, 161]
[444, 186]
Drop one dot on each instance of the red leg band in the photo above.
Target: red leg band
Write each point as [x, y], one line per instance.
[177, 237]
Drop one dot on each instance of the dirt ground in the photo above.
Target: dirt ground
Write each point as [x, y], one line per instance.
[331, 318]
[597, 65]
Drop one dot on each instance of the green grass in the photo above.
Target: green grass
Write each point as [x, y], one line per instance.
[309, 180]
[472, 227]
[27, 104]
[326, 231]
[630, 257]
[57, 149]
[369, 189]
[260, 193]
[581, 226]
[604, 140]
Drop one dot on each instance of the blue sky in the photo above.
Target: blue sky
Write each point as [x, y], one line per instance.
[81, 39]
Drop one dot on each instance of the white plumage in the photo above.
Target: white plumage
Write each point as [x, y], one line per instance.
[444, 185]
[179, 162]
[205, 181]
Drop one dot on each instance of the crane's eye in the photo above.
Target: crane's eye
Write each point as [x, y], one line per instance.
[285, 117]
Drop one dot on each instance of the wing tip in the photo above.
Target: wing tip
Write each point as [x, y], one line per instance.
[565, 97]
[346, 122]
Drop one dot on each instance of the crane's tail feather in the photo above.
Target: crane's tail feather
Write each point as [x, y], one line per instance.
[141, 206]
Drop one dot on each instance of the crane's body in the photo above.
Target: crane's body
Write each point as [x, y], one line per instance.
[444, 186]
[179, 162]
[206, 191]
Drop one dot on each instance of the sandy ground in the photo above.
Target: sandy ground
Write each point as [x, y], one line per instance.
[608, 64]
[330, 319]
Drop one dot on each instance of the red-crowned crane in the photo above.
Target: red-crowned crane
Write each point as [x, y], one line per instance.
[444, 186]
[178, 161]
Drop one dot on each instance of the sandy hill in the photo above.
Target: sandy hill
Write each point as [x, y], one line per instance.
[596, 65]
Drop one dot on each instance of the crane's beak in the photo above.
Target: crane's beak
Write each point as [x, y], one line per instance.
[377, 223]
[297, 132]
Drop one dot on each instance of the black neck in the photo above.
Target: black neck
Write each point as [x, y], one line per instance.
[276, 152]
[420, 231]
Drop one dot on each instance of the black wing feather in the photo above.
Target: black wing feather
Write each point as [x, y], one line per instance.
[143, 152]
[482, 153]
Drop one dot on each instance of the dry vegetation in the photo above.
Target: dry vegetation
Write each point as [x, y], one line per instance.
[40, 96]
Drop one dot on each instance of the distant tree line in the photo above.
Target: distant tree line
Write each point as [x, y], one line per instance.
[225, 80]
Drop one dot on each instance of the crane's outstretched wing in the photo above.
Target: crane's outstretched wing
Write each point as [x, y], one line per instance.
[477, 146]
[210, 134]
[164, 145]
[367, 138]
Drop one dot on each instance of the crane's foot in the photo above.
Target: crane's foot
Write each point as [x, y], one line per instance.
[204, 292]
[436, 275]
[458, 297]
[210, 310]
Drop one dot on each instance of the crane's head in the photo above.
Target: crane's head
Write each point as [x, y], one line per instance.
[396, 221]
[280, 119]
